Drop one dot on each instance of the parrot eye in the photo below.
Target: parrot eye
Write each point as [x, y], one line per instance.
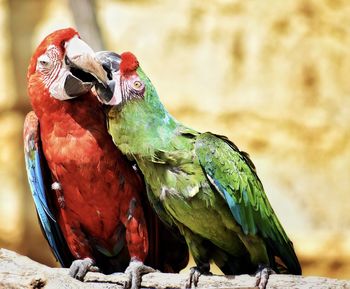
[137, 84]
[43, 61]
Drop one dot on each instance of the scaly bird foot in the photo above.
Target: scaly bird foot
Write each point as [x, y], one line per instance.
[195, 272]
[262, 276]
[134, 272]
[80, 267]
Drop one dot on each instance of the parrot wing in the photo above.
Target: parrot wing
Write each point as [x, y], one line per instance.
[39, 185]
[233, 175]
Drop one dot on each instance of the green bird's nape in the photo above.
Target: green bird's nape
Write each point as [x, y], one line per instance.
[200, 182]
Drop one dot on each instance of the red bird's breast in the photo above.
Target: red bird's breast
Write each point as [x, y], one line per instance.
[97, 182]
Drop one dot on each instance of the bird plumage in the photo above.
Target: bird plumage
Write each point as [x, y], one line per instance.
[200, 182]
[95, 207]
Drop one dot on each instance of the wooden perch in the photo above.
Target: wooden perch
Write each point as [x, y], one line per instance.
[17, 272]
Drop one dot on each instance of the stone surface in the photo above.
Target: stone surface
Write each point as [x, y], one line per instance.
[17, 272]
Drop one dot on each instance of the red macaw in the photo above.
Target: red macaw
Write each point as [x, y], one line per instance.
[90, 200]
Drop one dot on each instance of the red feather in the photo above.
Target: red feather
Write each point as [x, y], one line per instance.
[56, 38]
[101, 193]
[98, 183]
[129, 63]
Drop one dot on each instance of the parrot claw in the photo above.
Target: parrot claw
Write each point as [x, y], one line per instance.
[262, 276]
[134, 272]
[195, 272]
[80, 267]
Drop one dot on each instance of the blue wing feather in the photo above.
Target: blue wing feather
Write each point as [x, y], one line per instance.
[35, 164]
[36, 184]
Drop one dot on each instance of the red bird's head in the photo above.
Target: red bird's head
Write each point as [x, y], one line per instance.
[62, 67]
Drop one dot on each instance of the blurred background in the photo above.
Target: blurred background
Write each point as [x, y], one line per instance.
[271, 75]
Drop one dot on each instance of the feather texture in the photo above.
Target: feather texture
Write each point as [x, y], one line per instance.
[233, 174]
[95, 206]
[39, 186]
[201, 183]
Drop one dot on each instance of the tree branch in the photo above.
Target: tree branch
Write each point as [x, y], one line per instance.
[84, 13]
[18, 272]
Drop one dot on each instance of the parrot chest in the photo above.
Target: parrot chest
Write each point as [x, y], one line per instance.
[86, 165]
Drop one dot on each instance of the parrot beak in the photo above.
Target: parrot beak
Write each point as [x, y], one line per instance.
[85, 69]
[110, 62]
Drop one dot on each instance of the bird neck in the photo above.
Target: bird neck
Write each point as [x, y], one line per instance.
[84, 111]
[40, 98]
[141, 127]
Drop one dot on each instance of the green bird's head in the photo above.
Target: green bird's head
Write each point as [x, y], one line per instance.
[129, 83]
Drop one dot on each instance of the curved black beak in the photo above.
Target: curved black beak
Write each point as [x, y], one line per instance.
[75, 86]
[110, 61]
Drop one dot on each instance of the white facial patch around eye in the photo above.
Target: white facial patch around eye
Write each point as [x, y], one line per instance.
[135, 83]
[48, 64]
[43, 62]
[49, 58]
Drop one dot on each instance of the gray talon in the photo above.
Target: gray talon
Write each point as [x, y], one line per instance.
[262, 276]
[80, 267]
[195, 273]
[134, 272]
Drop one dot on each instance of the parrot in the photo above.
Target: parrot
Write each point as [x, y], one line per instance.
[90, 199]
[199, 182]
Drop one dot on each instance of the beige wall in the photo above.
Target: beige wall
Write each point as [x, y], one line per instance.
[271, 75]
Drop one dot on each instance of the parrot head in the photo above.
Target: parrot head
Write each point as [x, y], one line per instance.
[63, 67]
[128, 80]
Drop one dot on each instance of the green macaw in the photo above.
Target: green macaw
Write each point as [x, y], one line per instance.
[200, 182]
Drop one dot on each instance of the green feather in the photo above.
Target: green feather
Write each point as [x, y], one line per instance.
[248, 202]
[203, 184]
